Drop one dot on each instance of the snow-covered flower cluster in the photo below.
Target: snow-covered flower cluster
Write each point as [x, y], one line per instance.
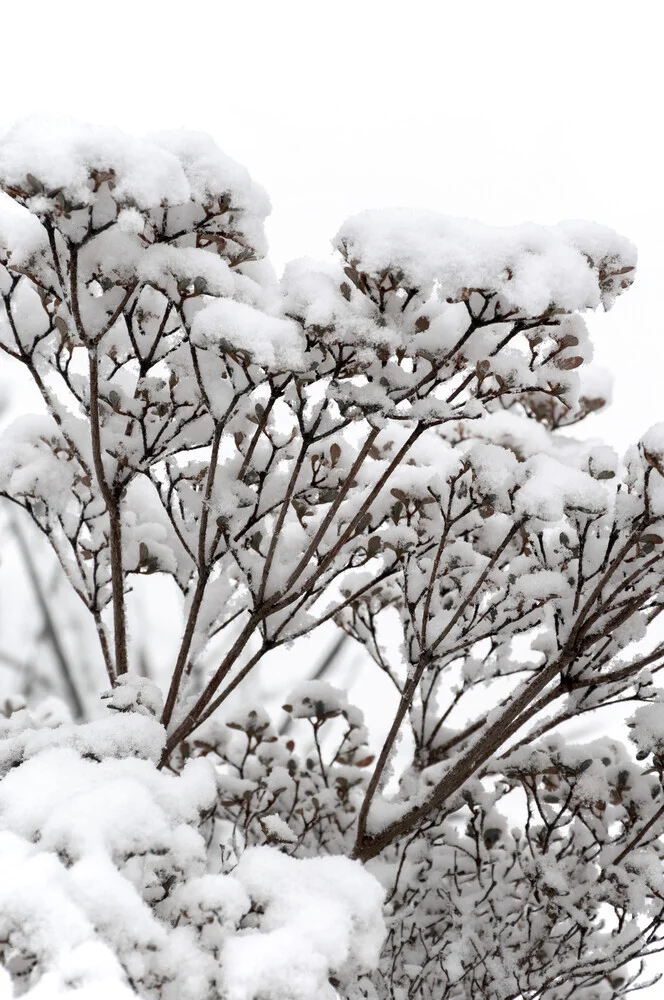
[373, 442]
[109, 887]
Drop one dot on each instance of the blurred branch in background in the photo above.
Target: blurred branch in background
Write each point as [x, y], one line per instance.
[49, 629]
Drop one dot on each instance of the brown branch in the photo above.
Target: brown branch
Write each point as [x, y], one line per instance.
[193, 717]
[334, 507]
[351, 529]
[112, 501]
[232, 685]
[364, 843]
[61, 659]
[639, 836]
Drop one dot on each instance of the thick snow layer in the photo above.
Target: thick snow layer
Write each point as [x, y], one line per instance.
[320, 913]
[274, 343]
[60, 154]
[652, 443]
[166, 266]
[127, 735]
[531, 267]
[551, 488]
[210, 172]
[104, 888]
[21, 233]
[315, 698]
[647, 728]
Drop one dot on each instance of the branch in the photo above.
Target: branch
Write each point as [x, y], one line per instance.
[75, 701]
[363, 843]
[112, 502]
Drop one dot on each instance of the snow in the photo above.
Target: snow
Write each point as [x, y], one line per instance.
[531, 267]
[652, 444]
[320, 914]
[542, 585]
[165, 167]
[165, 266]
[127, 735]
[21, 233]
[596, 383]
[552, 487]
[647, 728]
[119, 878]
[312, 699]
[278, 829]
[134, 693]
[210, 172]
[60, 153]
[270, 341]
[104, 860]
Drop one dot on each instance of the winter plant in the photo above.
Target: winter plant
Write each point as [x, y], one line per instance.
[378, 441]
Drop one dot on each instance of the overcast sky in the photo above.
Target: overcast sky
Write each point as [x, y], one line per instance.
[502, 111]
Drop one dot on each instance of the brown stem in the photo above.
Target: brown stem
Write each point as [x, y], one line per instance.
[193, 717]
[103, 642]
[639, 836]
[262, 424]
[432, 581]
[491, 738]
[408, 695]
[201, 583]
[78, 709]
[232, 685]
[185, 646]
[334, 507]
[112, 500]
[351, 528]
[281, 517]
[606, 576]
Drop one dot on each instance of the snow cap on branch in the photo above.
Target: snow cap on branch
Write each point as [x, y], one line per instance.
[574, 265]
[275, 343]
[50, 162]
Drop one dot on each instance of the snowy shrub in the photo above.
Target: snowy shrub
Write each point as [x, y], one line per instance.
[373, 441]
[107, 880]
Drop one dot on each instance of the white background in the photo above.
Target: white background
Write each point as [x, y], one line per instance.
[502, 111]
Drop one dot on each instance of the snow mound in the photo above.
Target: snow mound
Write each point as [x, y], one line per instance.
[570, 266]
[106, 889]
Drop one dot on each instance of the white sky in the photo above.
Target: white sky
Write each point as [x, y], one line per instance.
[502, 111]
